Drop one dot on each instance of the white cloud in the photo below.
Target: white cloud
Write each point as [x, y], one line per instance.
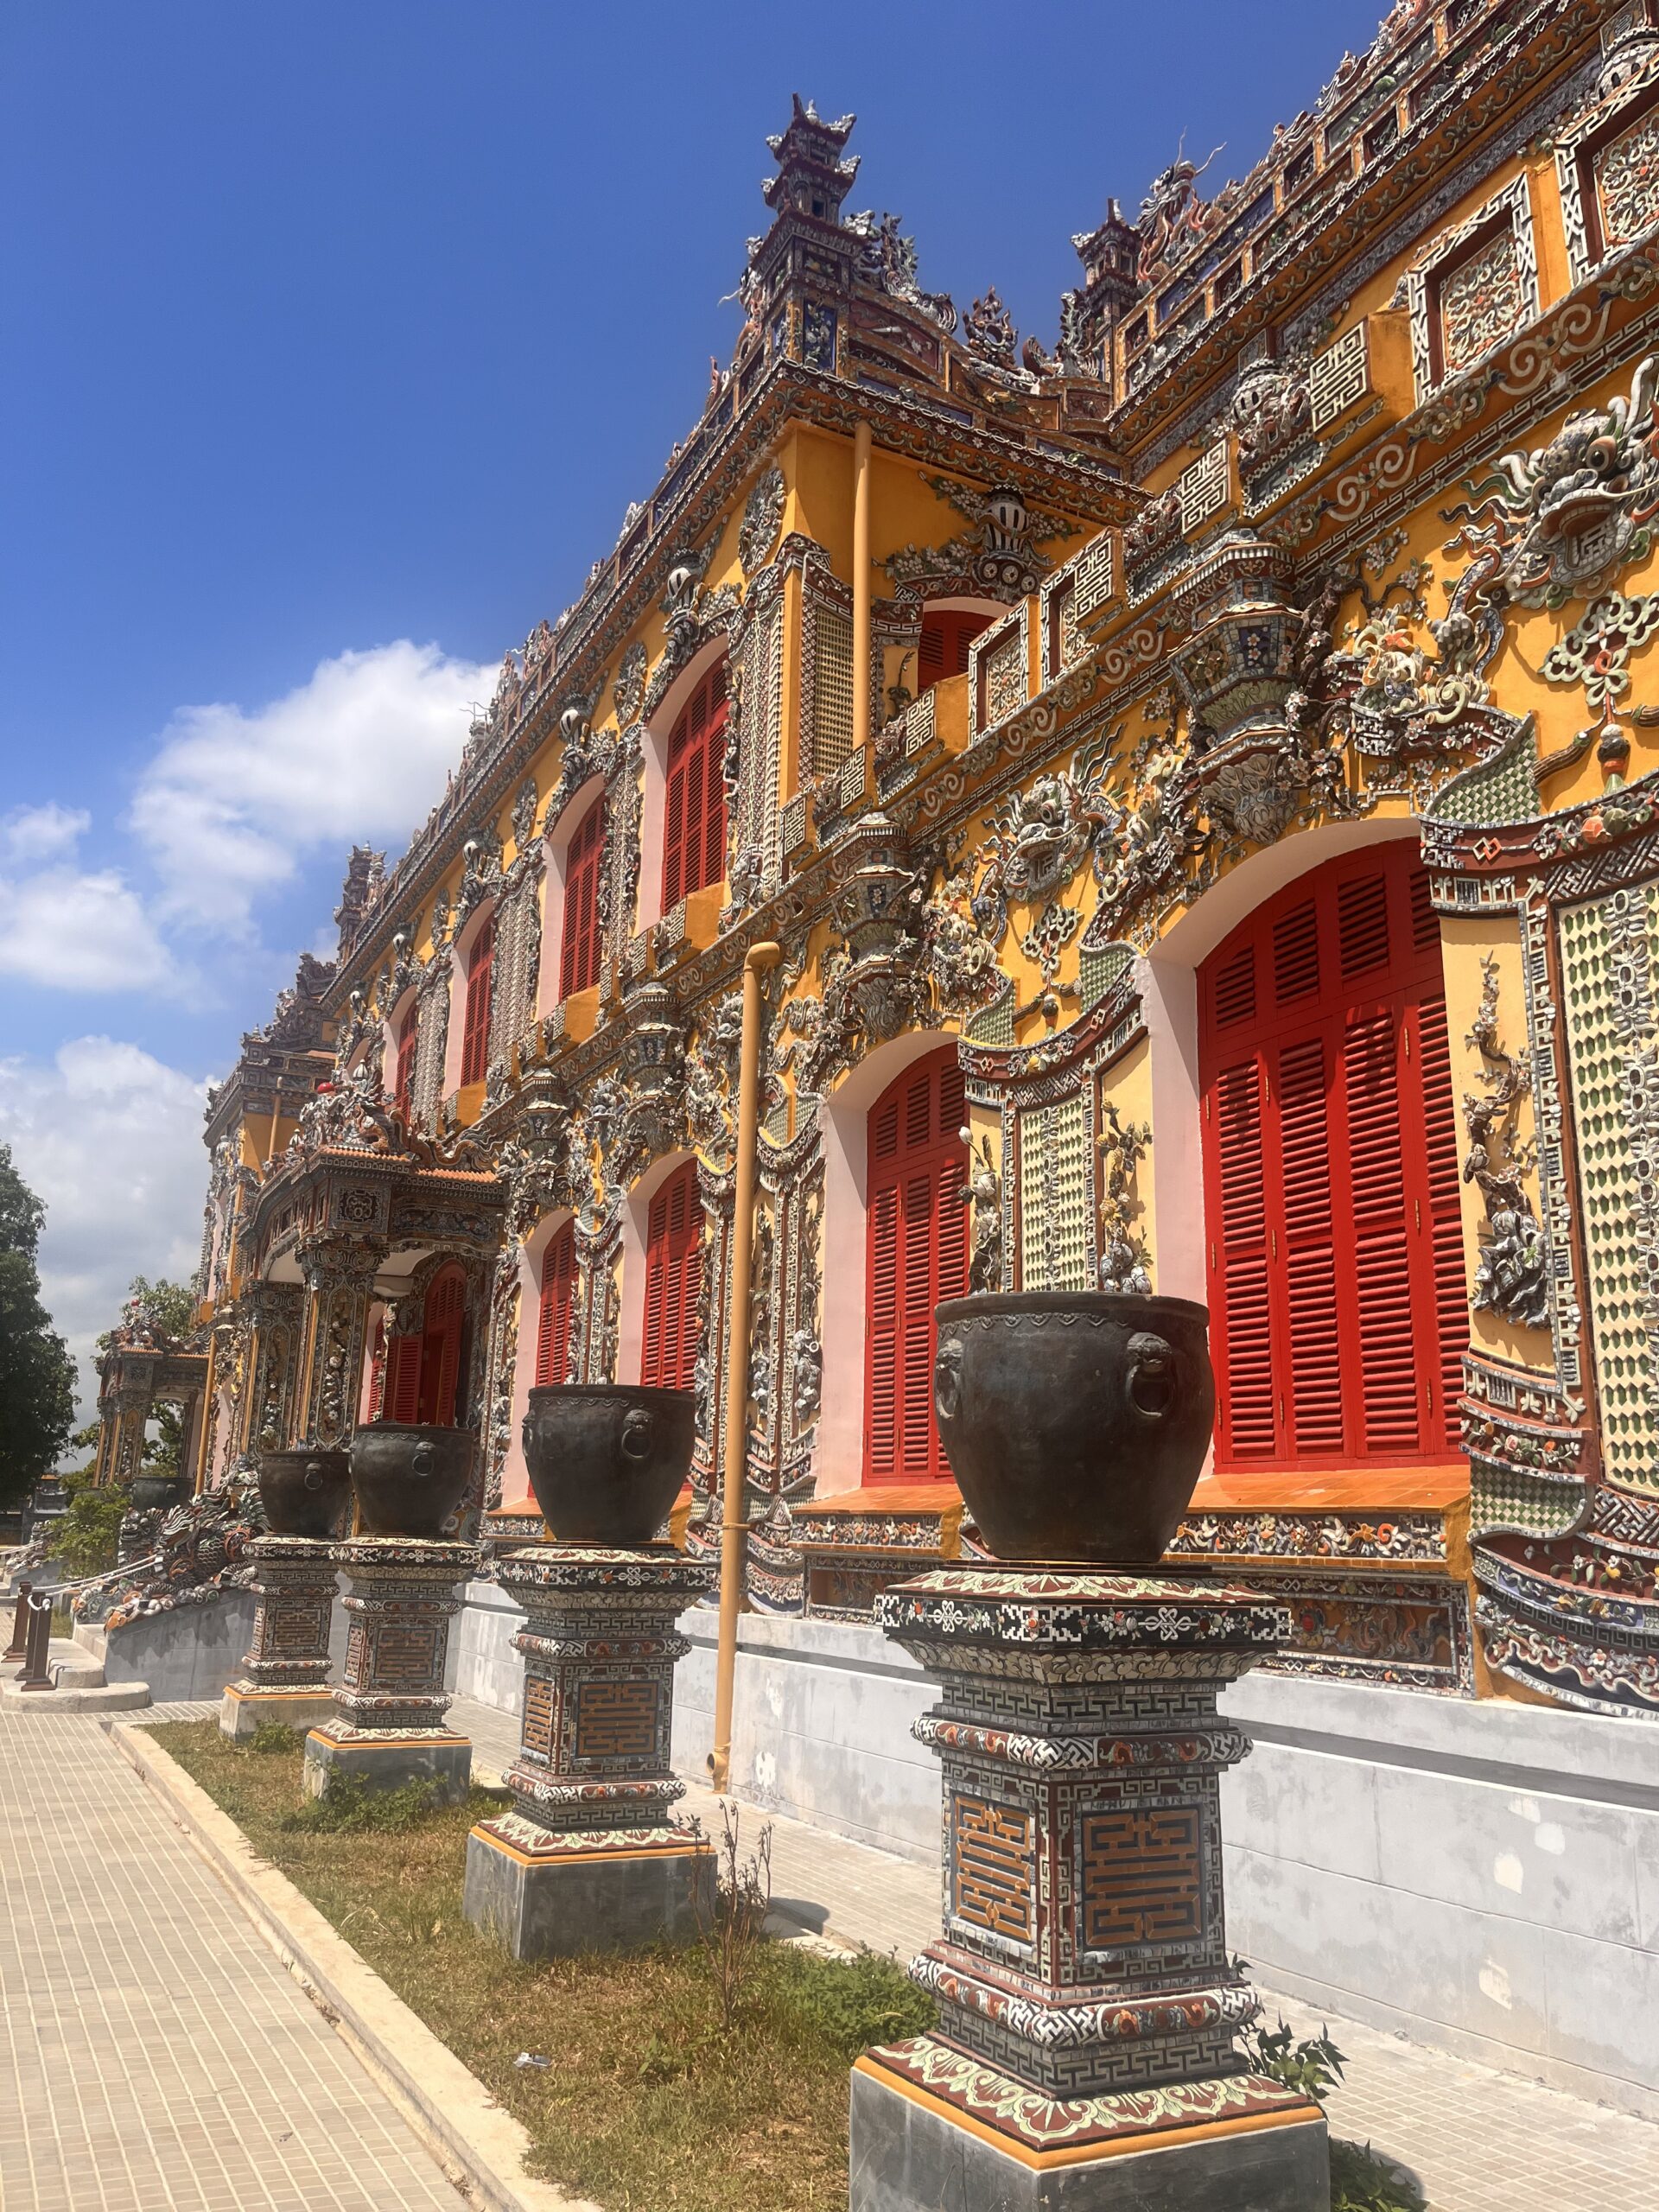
[30, 835]
[111, 1139]
[81, 932]
[237, 797]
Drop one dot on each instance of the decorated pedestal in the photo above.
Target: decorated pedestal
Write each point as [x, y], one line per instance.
[587, 1859]
[1084, 2056]
[388, 1728]
[287, 1678]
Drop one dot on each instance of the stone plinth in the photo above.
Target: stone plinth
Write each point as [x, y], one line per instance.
[1084, 2056]
[587, 1859]
[286, 1681]
[388, 1728]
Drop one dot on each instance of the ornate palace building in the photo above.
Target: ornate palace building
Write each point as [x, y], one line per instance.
[1202, 782]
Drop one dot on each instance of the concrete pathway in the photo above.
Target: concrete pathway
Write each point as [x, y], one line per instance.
[154, 2055]
[1478, 2140]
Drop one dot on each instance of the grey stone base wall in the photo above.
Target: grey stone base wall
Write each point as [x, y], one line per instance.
[1480, 1876]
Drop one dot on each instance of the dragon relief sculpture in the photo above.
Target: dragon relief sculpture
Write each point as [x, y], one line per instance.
[1557, 523]
[886, 262]
[1512, 1280]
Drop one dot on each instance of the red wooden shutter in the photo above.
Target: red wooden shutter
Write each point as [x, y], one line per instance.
[917, 1254]
[579, 949]
[1331, 1173]
[408, 1037]
[694, 839]
[673, 1280]
[553, 1314]
[446, 1305]
[947, 633]
[403, 1390]
[475, 1037]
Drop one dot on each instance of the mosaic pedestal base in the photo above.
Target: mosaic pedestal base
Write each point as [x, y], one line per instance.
[932, 2128]
[287, 1679]
[587, 1860]
[1085, 2053]
[388, 1728]
[243, 1712]
[550, 1895]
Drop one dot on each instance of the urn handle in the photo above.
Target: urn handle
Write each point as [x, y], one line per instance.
[636, 1434]
[947, 1378]
[422, 1460]
[1149, 1386]
[312, 1475]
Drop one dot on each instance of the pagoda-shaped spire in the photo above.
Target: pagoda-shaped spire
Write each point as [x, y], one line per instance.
[812, 177]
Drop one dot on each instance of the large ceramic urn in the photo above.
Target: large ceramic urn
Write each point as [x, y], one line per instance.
[410, 1476]
[1076, 1422]
[304, 1493]
[154, 1493]
[606, 1459]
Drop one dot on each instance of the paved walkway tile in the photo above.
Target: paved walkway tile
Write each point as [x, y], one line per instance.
[154, 2055]
[1478, 2140]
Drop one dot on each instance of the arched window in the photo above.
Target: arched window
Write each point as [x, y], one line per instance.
[475, 1037]
[918, 1242]
[673, 1278]
[1334, 1242]
[947, 633]
[579, 949]
[694, 833]
[557, 1303]
[442, 1344]
[403, 1082]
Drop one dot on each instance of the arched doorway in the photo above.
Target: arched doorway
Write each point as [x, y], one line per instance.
[425, 1377]
[917, 1234]
[1334, 1236]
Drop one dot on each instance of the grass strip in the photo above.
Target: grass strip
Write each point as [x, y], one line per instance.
[645, 2104]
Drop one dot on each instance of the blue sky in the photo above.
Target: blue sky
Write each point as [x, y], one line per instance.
[338, 339]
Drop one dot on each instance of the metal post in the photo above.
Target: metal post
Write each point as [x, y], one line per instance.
[862, 473]
[37, 1670]
[19, 1646]
[733, 1528]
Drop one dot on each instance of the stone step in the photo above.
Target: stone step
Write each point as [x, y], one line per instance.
[110, 1697]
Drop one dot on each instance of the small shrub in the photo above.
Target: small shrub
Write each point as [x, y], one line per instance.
[869, 2000]
[347, 1806]
[1314, 2066]
[274, 1736]
[1361, 2182]
[732, 1930]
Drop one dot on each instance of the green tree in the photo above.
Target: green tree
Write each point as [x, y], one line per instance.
[166, 1309]
[37, 1377]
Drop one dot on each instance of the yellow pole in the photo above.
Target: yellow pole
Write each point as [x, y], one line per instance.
[203, 1422]
[733, 1528]
[861, 590]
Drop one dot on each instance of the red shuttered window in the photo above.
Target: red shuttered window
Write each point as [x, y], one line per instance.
[401, 1399]
[441, 1344]
[673, 1278]
[693, 833]
[579, 948]
[475, 1036]
[947, 633]
[917, 1244]
[553, 1316]
[404, 1084]
[1334, 1236]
